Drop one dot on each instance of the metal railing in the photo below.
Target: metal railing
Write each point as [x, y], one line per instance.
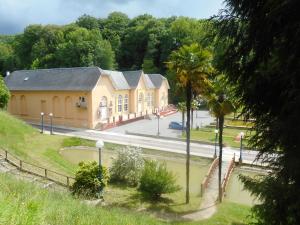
[211, 169]
[27, 167]
[227, 175]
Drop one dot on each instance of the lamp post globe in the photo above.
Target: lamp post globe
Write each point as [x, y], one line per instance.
[51, 124]
[158, 116]
[99, 145]
[42, 122]
[242, 134]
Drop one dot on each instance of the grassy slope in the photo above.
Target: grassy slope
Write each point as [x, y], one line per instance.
[25, 203]
[27, 143]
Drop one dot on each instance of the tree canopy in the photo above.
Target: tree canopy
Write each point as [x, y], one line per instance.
[262, 60]
[115, 42]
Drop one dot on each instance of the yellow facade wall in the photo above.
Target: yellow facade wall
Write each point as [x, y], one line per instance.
[28, 105]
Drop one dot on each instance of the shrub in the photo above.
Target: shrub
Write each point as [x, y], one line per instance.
[128, 166]
[157, 180]
[4, 94]
[87, 182]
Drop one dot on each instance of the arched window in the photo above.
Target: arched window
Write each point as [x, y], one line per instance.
[56, 106]
[163, 99]
[120, 101]
[148, 99]
[126, 103]
[151, 100]
[103, 101]
[68, 107]
[141, 97]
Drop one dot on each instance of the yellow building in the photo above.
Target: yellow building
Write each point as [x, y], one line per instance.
[86, 97]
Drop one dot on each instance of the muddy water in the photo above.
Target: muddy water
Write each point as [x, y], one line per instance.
[235, 191]
[198, 167]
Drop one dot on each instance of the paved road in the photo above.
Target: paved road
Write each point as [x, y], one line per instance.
[157, 143]
[147, 126]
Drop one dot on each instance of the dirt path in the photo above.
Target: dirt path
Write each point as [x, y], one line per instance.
[208, 205]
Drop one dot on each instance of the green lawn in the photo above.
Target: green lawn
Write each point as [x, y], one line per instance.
[33, 205]
[207, 134]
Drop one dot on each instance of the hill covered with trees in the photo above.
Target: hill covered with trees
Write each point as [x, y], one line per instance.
[115, 42]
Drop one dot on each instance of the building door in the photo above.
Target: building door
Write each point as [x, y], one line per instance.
[103, 108]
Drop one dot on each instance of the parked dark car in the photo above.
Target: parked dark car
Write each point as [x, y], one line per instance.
[175, 125]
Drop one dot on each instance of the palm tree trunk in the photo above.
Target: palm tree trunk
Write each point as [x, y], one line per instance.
[188, 136]
[192, 119]
[221, 124]
[183, 125]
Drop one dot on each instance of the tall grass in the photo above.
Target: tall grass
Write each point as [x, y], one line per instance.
[25, 203]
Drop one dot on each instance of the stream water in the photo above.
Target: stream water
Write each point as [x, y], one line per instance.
[234, 193]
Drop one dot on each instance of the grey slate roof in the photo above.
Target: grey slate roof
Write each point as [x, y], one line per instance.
[133, 77]
[77, 79]
[58, 79]
[156, 79]
[118, 80]
[149, 83]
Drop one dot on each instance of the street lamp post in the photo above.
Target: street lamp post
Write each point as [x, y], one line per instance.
[51, 124]
[241, 147]
[158, 115]
[216, 138]
[42, 122]
[99, 145]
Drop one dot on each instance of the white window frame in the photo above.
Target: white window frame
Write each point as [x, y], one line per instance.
[148, 99]
[126, 103]
[120, 102]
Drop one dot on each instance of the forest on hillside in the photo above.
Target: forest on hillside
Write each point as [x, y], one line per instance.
[116, 42]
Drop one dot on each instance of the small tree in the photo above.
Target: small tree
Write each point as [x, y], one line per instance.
[192, 65]
[128, 166]
[157, 180]
[90, 180]
[220, 106]
[4, 93]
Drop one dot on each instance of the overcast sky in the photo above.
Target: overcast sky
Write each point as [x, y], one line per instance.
[17, 14]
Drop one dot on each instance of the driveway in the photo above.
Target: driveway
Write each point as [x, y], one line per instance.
[150, 126]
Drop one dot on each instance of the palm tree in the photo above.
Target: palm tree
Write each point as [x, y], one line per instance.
[182, 108]
[192, 65]
[220, 105]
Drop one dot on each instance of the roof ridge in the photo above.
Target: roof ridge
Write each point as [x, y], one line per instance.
[60, 68]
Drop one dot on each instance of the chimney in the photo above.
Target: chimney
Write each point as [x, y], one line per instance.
[7, 73]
